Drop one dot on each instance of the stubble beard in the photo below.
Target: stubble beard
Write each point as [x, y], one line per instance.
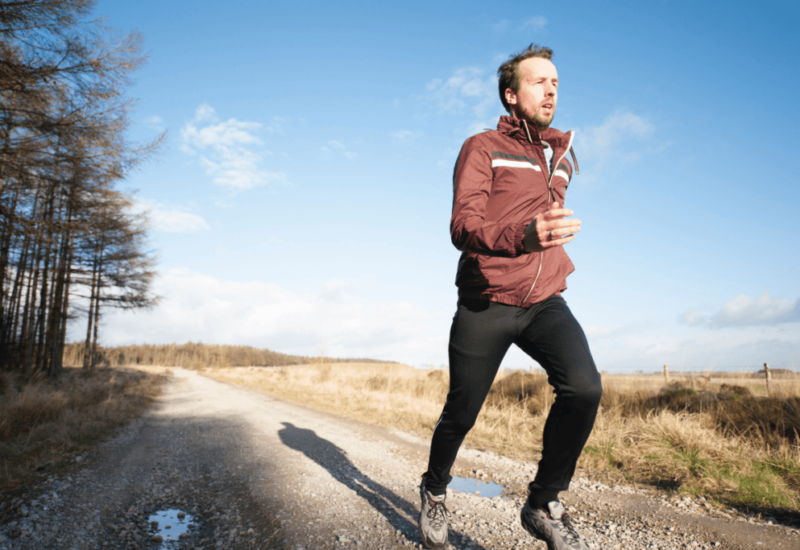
[542, 122]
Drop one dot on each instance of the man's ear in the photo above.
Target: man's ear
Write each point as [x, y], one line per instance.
[511, 96]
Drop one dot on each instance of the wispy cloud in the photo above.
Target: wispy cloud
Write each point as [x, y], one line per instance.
[466, 88]
[278, 125]
[155, 123]
[406, 135]
[230, 151]
[336, 148]
[610, 142]
[742, 311]
[169, 219]
[469, 90]
[537, 23]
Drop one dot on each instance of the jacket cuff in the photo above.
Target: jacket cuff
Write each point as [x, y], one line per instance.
[519, 235]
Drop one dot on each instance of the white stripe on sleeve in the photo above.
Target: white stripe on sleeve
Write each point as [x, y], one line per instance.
[563, 174]
[514, 164]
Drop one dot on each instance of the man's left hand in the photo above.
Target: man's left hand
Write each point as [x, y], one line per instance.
[550, 229]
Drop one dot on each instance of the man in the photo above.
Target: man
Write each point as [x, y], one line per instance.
[508, 221]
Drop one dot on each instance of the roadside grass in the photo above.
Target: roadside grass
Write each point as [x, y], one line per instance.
[44, 424]
[715, 436]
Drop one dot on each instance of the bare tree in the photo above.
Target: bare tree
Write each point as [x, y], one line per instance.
[63, 148]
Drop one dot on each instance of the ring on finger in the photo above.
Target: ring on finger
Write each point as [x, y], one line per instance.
[551, 236]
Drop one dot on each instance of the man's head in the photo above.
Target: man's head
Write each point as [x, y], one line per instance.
[528, 84]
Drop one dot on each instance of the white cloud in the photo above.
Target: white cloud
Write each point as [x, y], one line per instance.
[205, 112]
[199, 307]
[278, 125]
[467, 87]
[611, 141]
[334, 148]
[742, 311]
[650, 345]
[604, 140]
[169, 219]
[405, 135]
[155, 123]
[537, 23]
[229, 151]
[694, 317]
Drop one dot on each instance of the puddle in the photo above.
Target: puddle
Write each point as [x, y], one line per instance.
[170, 525]
[469, 485]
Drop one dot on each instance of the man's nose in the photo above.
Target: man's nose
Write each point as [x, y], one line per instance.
[549, 90]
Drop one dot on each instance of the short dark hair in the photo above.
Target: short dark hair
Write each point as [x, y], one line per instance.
[508, 74]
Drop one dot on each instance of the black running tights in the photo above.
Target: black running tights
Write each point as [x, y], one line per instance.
[480, 336]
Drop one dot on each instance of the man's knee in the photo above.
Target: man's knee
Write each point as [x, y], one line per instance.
[460, 421]
[462, 426]
[589, 392]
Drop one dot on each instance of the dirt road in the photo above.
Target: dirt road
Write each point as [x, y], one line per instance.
[249, 471]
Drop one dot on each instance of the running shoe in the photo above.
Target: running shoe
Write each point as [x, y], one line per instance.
[553, 526]
[433, 519]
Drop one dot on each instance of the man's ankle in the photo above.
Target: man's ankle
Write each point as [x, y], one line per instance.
[538, 497]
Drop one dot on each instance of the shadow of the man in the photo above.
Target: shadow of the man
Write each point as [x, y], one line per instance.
[335, 460]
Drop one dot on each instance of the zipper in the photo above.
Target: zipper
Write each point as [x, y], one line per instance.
[549, 198]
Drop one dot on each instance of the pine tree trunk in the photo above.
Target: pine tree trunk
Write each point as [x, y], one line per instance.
[90, 318]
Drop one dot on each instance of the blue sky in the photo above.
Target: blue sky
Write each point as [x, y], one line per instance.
[302, 200]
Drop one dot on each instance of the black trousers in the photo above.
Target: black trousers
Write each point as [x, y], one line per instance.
[481, 334]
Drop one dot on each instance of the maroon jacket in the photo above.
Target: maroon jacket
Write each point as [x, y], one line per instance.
[501, 182]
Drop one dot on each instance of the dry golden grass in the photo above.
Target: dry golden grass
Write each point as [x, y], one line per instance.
[388, 394]
[45, 423]
[694, 436]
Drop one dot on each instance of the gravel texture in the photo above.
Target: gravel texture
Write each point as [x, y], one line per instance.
[252, 471]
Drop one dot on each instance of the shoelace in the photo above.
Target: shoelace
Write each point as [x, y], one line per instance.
[437, 513]
[569, 527]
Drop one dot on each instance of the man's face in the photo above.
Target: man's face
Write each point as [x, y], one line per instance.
[538, 92]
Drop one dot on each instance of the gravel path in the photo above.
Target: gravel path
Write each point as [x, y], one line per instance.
[245, 470]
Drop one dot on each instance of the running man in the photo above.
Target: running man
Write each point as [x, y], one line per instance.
[509, 224]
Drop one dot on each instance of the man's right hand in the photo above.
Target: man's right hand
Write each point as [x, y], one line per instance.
[550, 229]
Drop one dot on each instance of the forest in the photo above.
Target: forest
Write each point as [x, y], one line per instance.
[71, 245]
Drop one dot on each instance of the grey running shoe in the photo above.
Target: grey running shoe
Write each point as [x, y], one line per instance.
[433, 519]
[555, 528]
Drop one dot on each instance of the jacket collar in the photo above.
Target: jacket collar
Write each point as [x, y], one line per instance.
[516, 128]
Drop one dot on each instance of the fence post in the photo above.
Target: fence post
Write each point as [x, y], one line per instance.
[768, 376]
[666, 375]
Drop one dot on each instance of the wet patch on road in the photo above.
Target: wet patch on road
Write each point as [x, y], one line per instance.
[475, 487]
[170, 526]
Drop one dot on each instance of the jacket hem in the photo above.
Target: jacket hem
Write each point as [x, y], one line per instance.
[505, 300]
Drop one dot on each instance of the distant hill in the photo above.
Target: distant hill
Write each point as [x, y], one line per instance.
[196, 355]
